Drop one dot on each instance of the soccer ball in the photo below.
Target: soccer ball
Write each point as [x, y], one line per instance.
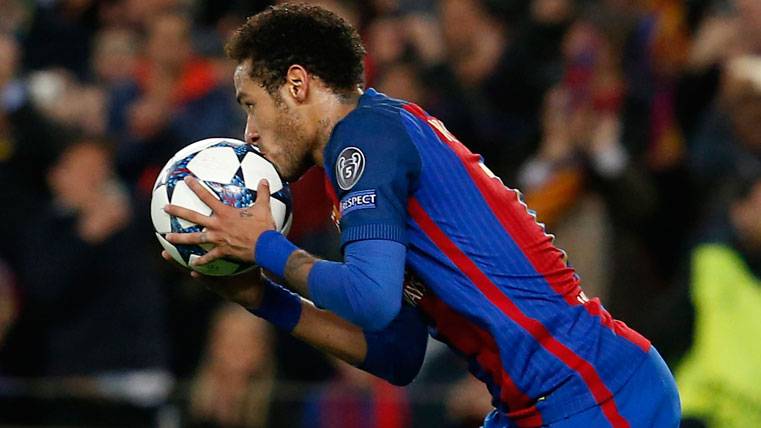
[231, 170]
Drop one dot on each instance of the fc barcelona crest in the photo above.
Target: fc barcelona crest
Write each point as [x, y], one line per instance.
[349, 167]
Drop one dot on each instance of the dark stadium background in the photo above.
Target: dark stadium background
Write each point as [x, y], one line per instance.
[622, 122]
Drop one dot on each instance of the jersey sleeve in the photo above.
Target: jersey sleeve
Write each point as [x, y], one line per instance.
[373, 166]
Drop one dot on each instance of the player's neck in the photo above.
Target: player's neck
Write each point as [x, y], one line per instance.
[333, 110]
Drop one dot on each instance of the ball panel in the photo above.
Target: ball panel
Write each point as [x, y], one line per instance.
[160, 219]
[278, 212]
[255, 168]
[161, 179]
[220, 267]
[187, 252]
[284, 196]
[198, 146]
[233, 195]
[217, 164]
[287, 227]
[179, 228]
[170, 248]
[243, 150]
[184, 197]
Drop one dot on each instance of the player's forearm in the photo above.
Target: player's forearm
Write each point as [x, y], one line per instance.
[365, 289]
[331, 334]
[321, 329]
[276, 254]
[394, 353]
[297, 270]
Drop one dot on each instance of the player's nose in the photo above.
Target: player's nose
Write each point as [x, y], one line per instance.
[252, 139]
[251, 134]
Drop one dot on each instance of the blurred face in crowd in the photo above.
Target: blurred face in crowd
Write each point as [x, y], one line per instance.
[462, 20]
[749, 12]
[551, 11]
[274, 124]
[9, 61]
[79, 173]
[401, 81]
[745, 217]
[169, 41]
[115, 55]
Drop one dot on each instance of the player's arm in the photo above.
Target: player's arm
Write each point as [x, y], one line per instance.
[365, 289]
[394, 353]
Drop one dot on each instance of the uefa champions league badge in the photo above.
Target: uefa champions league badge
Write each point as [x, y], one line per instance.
[349, 167]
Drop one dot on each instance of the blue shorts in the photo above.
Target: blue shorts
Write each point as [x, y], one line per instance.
[648, 400]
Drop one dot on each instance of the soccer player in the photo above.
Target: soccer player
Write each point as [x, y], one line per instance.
[483, 276]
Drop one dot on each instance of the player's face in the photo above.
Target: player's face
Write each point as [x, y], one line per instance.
[273, 125]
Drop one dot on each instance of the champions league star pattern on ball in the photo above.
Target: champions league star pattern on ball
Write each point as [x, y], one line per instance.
[229, 169]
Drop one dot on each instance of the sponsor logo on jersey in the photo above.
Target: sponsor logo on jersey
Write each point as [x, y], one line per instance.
[349, 167]
[358, 200]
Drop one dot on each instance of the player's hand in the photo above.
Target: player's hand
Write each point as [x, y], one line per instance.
[232, 231]
[245, 289]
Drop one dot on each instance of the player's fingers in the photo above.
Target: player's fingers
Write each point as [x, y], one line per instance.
[168, 257]
[263, 194]
[210, 256]
[194, 238]
[204, 194]
[187, 214]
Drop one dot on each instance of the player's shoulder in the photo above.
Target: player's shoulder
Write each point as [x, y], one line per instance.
[374, 111]
[376, 124]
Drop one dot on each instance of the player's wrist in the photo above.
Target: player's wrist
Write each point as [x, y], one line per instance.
[251, 298]
[279, 306]
[272, 250]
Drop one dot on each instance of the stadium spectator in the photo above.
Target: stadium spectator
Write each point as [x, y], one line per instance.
[59, 35]
[86, 318]
[235, 383]
[28, 143]
[174, 98]
[728, 137]
[718, 377]
[114, 57]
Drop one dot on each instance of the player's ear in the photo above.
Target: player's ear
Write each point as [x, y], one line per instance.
[297, 82]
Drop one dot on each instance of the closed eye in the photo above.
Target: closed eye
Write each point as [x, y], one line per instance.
[245, 105]
[248, 108]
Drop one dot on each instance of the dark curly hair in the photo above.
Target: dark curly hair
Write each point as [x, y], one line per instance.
[315, 38]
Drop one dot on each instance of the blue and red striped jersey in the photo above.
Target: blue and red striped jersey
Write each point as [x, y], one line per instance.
[498, 291]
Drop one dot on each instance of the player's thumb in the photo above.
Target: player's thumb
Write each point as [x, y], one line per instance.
[263, 193]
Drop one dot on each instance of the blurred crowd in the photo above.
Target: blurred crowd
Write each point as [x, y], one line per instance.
[632, 127]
